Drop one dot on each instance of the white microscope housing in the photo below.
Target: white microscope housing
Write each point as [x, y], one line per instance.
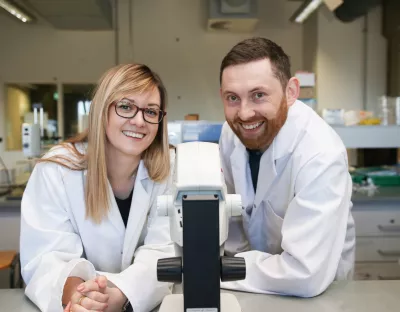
[198, 171]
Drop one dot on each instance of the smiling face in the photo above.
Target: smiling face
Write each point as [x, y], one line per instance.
[255, 104]
[132, 136]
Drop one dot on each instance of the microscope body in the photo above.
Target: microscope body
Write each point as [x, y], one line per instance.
[199, 209]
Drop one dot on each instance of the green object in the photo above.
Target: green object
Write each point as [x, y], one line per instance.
[380, 176]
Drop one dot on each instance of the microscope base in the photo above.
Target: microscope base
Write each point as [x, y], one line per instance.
[174, 303]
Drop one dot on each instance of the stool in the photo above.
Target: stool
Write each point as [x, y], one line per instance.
[9, 259]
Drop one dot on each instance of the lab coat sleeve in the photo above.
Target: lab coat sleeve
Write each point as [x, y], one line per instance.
[50, 250]
[313, 234]
[139, 281]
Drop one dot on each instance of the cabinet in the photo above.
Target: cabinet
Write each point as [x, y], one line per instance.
[377, 239]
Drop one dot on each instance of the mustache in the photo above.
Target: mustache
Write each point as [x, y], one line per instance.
[254, 120]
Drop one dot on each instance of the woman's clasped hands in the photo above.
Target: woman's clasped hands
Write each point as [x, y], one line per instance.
[96, 295]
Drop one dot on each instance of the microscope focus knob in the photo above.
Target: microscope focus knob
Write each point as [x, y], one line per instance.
[169, 270]
[232, 269]
[234, 205]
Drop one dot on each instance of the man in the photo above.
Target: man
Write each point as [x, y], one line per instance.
[296, 232]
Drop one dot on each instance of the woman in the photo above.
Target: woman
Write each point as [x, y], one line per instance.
[90, 235]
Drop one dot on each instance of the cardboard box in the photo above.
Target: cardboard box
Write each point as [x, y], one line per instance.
[192, 117]
[307, 93]
[333, 4]
[306, 79]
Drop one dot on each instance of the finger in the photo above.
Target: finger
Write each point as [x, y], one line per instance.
[75, 297]
[98, 296]
[91, 304]
[79, 308]
[101, 281]
[68, 307]
[87, 286]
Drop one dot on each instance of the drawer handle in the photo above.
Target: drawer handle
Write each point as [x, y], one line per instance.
[389, 228]
[388, 278]
[390, 253]
[363, 276]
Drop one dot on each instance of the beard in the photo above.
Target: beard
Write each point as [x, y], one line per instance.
[271, 128]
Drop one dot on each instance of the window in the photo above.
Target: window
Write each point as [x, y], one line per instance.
[77, 99]
[30, 103]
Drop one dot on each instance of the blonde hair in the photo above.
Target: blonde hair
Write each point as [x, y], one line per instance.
[117, 83]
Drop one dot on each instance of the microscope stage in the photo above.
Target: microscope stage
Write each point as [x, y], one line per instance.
[174, 303]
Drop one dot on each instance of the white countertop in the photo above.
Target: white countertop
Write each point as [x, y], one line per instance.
[354, 296]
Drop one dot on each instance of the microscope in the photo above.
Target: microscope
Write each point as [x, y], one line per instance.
[199, 209]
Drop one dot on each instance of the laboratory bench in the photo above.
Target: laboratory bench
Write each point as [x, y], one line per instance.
[383, 194]
[354, 296]
[9, 203]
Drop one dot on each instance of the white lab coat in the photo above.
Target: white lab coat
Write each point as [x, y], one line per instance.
[296, 233]
[57, 241]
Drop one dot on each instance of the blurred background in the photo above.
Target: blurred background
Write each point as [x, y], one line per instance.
[346, 54]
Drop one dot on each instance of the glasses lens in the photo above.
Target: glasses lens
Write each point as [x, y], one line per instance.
[152, 115]
[126, 109]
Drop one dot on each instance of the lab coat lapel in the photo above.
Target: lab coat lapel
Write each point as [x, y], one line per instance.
[242, 175]
[140, 207]
[267, 174]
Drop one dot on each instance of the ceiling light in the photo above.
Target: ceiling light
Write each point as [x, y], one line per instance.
[15, 11]
[305, 10]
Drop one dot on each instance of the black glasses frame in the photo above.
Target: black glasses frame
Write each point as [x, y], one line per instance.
[162, 114]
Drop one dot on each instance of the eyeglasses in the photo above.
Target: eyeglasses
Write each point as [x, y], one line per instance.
[126, 109]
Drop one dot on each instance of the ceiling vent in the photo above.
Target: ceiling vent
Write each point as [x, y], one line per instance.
[232, 15]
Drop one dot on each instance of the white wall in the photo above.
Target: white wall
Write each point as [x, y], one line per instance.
[340, 70]
[310, 43]
[39, 53]
[377, 60]
[189, 67]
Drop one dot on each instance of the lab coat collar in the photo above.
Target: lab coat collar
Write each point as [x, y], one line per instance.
[288, 137]
[142, 173]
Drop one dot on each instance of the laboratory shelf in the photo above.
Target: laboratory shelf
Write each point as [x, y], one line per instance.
[369, 136]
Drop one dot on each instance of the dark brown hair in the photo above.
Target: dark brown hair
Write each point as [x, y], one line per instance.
[257, 48]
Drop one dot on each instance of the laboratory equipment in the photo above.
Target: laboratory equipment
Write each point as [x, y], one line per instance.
[31, 140]
[199, 209]
[201, 130]
[334, 116]
[174, 132]
[386, 111]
